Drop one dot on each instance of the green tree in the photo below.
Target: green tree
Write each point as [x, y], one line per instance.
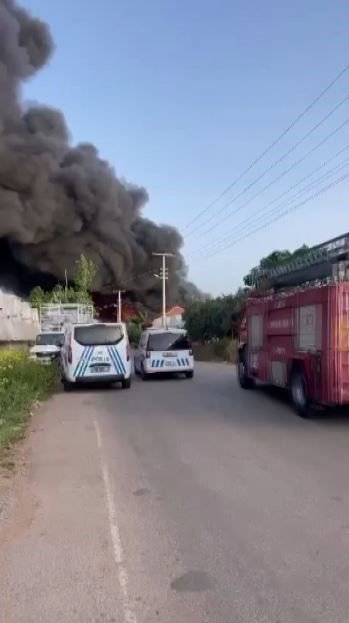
[215, 318]
[58, 294]
[134, 331]
[80, 292]
[37, 297]
[274, 259]
[85, 273]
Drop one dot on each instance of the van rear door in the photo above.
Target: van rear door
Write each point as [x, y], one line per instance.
[169, 351]
[102, 350]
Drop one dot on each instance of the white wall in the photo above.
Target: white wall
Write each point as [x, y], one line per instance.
[18, 321]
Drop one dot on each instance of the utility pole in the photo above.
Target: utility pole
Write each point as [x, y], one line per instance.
[163, 276]
[120, 292]
[66, 284]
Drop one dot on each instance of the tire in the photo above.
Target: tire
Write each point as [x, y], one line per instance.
[126, 383]
[67, 386]
[245, 381]
[144, 375]
[300, 394]
[189, 374]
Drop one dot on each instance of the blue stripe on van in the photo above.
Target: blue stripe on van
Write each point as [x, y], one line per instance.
[87, 360]
[160, 363]
[81, 361]
[114, 360]
[117, 354]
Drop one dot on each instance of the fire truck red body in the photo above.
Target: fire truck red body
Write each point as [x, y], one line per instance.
[299, 339]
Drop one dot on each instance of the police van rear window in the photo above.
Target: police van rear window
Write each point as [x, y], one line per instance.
[98, 335]
[168, 341]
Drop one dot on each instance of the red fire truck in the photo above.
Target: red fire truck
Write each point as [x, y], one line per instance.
[296, 334]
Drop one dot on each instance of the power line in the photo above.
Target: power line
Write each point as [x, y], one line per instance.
[246, 221]
[274, 142]
[216, 215]
[282, 214]
[261, 218]
[342, 165]
[285, 172]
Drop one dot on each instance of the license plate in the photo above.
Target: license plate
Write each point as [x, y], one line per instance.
[99, 369]
[170, 364]
[172, 355]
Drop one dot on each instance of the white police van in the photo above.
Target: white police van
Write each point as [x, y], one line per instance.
[164, 351]
[96, 353]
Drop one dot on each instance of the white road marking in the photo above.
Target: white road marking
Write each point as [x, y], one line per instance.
[128, 614]
[98, 434]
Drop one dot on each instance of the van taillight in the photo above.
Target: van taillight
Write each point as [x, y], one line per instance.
[190, 352]
[147, 354]
[128, 352]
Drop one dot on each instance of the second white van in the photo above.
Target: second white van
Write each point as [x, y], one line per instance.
[164, 351]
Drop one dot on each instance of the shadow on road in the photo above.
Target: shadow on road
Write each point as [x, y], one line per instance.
[324, 416]
[163, 376]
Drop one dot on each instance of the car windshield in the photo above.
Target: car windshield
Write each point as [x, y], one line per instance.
[98, 335]
[168, 341]
[50, 339]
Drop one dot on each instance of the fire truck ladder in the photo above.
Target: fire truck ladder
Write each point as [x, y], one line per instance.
[324, 261]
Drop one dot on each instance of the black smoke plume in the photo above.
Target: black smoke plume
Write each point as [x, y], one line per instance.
[59, 201]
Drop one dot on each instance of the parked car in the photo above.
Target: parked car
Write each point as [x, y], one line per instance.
[47, 347]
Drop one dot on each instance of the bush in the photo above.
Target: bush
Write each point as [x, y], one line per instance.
[22, 382]
[216, 350]
[215, 319]
[134, 331]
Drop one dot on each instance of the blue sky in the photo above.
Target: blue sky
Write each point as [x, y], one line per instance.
[181, 96]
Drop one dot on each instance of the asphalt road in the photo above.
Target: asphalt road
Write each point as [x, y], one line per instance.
[179, 501]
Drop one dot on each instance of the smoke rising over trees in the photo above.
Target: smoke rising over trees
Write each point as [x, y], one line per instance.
[59, 201]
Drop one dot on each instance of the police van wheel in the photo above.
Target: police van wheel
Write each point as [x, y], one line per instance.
[144, 375]
[126, 383]
[67, 386]
[299, 394]
[189, 374]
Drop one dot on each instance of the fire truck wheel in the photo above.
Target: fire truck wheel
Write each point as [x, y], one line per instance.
[245, 381]
[299, 394]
